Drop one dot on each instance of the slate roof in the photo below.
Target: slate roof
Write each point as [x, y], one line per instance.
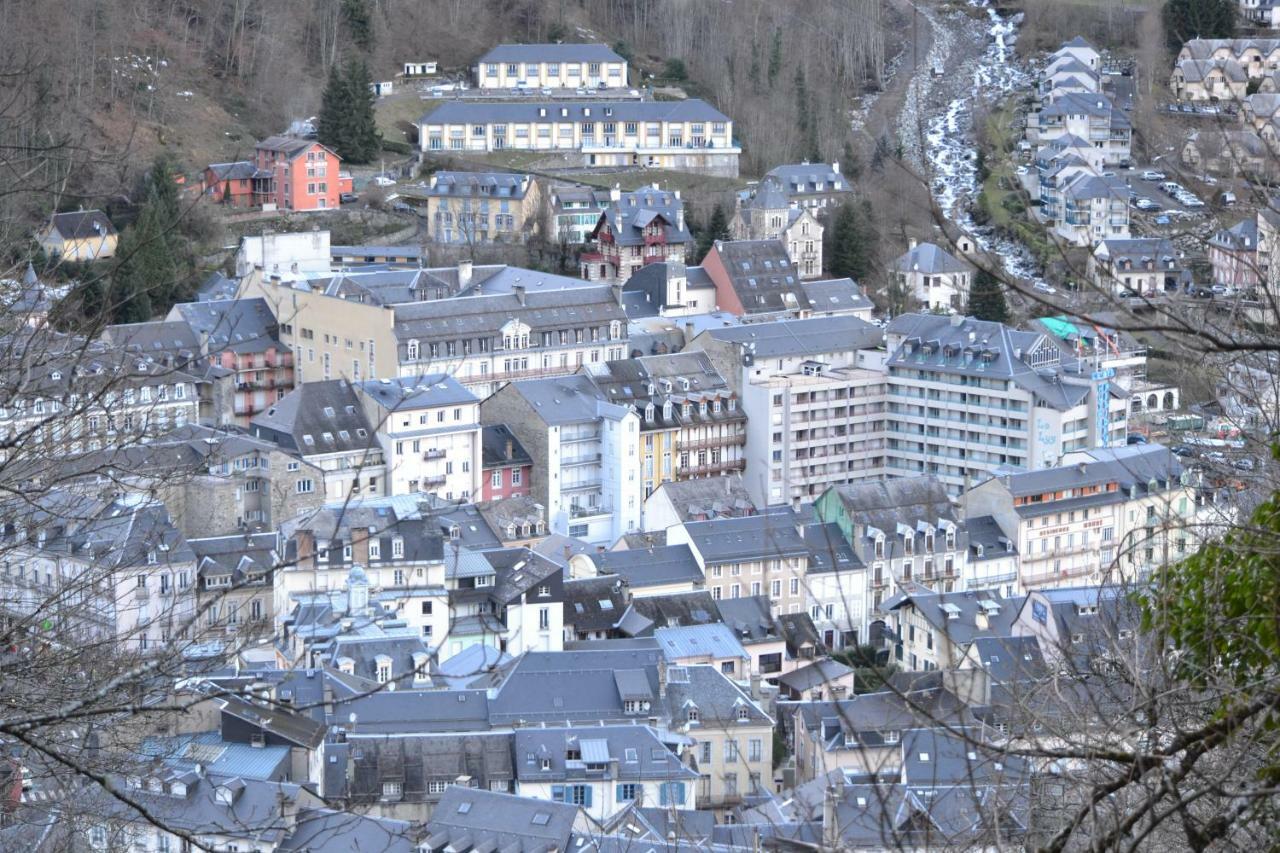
[416, 760]
[675, 378]
[1131, 466]
[119, 533]
[886, 504]
[330, 831]
[1195, 70]
[1087, 103]
[235, 325]
[955, 615]
[1241, 237]
[317, 418]
[240, 170]
[762, 275]
[594, 604]
[960, 345]
[634, 211]
[803, 337]
[290, 146]
[822, 671]
[715, 640]
[681, 608]
[628, 752]
[496, 185]
[707, 497]
[930, 259]
[550, 52]
[651, 566]
[717, 698]
[157, 338]
[404, 711]
[801, 179]
[749, 538]
[82, 224]
[985, 531]
[236, 555]
[416, 392]
[567, 400]
[496, 439]
[472, 819]
[476, 112]
[836, 294]
[574, 686]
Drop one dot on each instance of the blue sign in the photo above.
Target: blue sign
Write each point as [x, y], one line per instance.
[1103, 390]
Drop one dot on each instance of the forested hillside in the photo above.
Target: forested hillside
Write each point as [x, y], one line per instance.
[92, 90]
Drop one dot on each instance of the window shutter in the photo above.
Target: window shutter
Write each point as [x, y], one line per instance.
[662, 794]
[679, 793]
[622, 798]
[557, 793]
[586, 796]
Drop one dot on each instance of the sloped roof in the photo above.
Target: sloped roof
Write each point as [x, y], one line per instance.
[550, 52]
[930, 259]
[762, 275]
[82, 224]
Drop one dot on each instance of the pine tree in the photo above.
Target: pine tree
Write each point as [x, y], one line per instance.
[850, 161]
[363, 139]
[1188, 19]
[775, 57]
[356, 15]
[986, 298]
[717, 228]
[854, 241]
[334, 109]
[753, 72]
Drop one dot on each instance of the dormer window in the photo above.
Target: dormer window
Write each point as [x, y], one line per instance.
[649, 412]
[692, 715]
[744, 713]
[879, 547]
[375, 549]
[397, 548]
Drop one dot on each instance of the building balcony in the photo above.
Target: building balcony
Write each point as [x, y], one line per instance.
[580, 459]
[710, 468]
[433, 454]
[433, 480]
[529, 373]
[707, 443]
[576, 511]
[582, 485]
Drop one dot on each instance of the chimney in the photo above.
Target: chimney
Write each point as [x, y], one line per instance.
[835, 167]
[600, 549]
[680, 218]
[617, 292]
[511, 448]
[911, 243]
[518, 290]
[568, 551]
[662, 677]
[615, 193]
[981, 621]
[464, 274]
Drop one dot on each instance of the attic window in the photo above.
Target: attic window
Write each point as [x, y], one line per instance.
[924, 756]
[464, 808]
[540, 819]
[744, 713]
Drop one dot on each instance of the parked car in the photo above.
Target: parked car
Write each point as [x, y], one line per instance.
[1245, 464]
[1220, 290]
[1162, 220]
[1136, 439]
[1182, 450]
[383, 181]
[1192, 201]
[1153, 175]
[1044, 288]
[1202, 293]
[348, 198]
[1146, 204]
[403, 207]
[1214, 456]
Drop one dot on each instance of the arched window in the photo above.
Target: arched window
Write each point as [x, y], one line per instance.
[412, 351]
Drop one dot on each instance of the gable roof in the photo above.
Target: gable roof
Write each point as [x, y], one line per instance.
[761, 275]
[652, 566]
[550, 52]
[929, 259]
[82, 224]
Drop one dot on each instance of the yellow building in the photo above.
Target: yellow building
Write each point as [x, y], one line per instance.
[84, 235]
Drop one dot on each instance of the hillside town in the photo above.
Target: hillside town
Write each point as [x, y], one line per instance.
[560, 480]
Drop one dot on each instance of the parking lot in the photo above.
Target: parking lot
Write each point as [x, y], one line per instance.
[1164, 201]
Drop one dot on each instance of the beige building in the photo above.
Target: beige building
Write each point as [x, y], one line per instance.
[84, 235]
[686, 136]
[550, 66]
[768, 214]
[466, 208]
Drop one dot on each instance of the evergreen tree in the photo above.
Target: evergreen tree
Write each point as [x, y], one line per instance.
[986, 298]
[356, 16]
[1188, 19]
[850, 161]
[803, 118]
[753, 72]
[775, 56]
[334, 109]
[717, 228]
[363, 140]
[854, 241]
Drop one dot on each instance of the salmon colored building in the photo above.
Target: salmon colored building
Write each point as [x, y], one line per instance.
[229, 183]
[297, 174]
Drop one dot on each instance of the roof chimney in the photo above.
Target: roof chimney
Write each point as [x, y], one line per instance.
[835, 167]
[511, 449]
[911, 243]
[518, 290]
[615, 193]
[617, 292]
[464, 274]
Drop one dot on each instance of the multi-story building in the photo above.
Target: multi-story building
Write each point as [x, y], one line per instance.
[325, 425]
[690, 422]
[636, 229]
[467, 208]
[933, 277]
[968, 396]
[506, 466]
[234, 582]
[550, 66]
[768, 213]
[429, 431]
[293, 173]
[1093, 208]
[813, 392]
[1209, 80]
[904, 533]
[486, 341]
[90, 570]
[684, 136]
[242, 336]
[1089, 116]
[83, 235]
[585, 450]
[1145, 266]
[1102, 516]
[755, 277]
[817, 186]
[574, 211]
[1233, 254]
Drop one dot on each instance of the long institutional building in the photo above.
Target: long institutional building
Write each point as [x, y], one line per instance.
[687, 136]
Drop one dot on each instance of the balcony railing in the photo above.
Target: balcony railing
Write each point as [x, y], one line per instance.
[711, 468]
[707, 443]
[576, 511]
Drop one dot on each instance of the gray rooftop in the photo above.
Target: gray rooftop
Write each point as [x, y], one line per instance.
[550, 52]
[802, 337]
[475, 112]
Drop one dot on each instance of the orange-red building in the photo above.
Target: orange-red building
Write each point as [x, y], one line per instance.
[297, 174]
[229, 183]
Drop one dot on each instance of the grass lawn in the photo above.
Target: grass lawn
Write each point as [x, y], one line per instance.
[402, 107]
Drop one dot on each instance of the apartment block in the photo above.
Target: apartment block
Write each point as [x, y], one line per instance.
[554, 66]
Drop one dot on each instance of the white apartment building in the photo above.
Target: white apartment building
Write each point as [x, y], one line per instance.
[429, 430]
[585, 451]
[552, 66]
[813, 392]
[1103, 516]
[687, 136]
[935, 279]
[1089, 116]
[968, 396]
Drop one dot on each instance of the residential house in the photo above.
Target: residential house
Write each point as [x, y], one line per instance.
[777, 642]
[1104, 514]
[671, 290]
[712, 645]
[428, 427]
[930, 630]
[690, 425]
[1141, 265]
[506, 467]
[968, 396]
[824, 679]
[1209, 80]
[933, 277]
[585, 450]
[1258, 57]
[229, 183]
[472, 819]
[755, 277]
[296, 173]
[659, 570]
[1094, 208]
[550, 66]
[324, 423]
[636, 229]
[518, 522]
[603, 770]
[902, 532]
[1233, 254]
[574, 211]
[468, 208]
[82, 235]
[837, 297]
[813, 392]
[768, 213]
[1260, 13]
[515, 605]
[1229, 154]
[117, 570]
[234, 582]
[1089, 116]
[685, 136]
[697, 500]
[817, 186]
